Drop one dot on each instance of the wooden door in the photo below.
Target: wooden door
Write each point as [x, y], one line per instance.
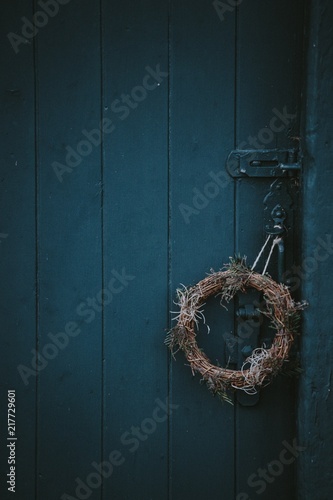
[117, 120]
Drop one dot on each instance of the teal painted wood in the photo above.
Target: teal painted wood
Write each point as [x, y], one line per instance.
[69, 252]
[135, 229]
[141, 212]
[268, 87]
[17, 251]
[202, 62]
[315, 400]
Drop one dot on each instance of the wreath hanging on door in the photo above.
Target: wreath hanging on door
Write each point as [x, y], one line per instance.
[263, 364]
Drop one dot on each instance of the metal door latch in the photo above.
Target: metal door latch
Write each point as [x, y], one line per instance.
[263, 163]
[247, 311]
[278, 217]
[248, 334]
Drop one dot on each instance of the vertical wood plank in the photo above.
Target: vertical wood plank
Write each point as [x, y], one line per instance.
[268, 86]
[269, 71]
[69, 246]
[136, 245]
[202, 235]
[315, 409]
[17, 249]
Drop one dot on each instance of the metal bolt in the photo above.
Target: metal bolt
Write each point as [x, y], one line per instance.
[248, 311]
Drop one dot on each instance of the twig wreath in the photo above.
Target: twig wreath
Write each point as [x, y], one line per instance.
[263, 364]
